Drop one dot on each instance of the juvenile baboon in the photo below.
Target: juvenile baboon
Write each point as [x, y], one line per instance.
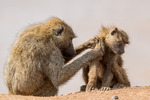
[36, 65]
[107, 72]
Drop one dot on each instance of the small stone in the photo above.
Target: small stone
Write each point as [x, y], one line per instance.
[115, 97]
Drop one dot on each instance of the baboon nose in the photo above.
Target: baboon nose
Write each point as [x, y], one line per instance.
[121, 52]
[74, 53]
[69, 52]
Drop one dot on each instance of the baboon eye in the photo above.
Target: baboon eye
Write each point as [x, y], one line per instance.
[126, 42]
[59, 31]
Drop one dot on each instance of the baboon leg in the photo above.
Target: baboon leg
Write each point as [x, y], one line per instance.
[106, 81]
[85, 71]
[100, 74]
[92, 76]
[125, 77]
[121, 75]
[100, 70]
[124, 82]
[46, 90]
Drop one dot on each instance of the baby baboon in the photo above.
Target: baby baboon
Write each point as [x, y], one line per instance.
[107, 71]
[36, 65]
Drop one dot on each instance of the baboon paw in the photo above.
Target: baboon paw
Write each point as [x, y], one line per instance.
[96, 39]
[93, 42]
[105, 89]
[82, 88]
[90, 88]
[118, 86]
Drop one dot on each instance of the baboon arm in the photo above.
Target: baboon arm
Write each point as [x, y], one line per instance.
[92, 75]
[60, 73]
[70, 69]
[106, 82]
[86, 45]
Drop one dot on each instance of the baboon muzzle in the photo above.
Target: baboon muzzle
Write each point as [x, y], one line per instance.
[69, 52]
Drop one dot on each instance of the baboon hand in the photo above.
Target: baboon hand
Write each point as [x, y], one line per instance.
[99, 48]
[92, 42]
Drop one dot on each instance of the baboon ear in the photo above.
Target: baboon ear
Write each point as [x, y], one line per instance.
[59, 31]
[114, 31]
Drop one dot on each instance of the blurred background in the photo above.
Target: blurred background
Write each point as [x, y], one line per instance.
[86, 18]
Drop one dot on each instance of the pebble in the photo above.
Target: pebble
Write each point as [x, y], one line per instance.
[115, 97]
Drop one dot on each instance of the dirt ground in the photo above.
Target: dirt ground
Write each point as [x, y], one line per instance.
[134, 93]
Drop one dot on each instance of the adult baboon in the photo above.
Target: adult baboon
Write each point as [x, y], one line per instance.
[36, 65]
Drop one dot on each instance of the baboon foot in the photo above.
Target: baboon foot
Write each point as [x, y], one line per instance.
[90, 87]
[105, 89]
[82, 88]
[118, 86]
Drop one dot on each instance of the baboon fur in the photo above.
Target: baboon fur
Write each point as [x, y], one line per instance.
[36, 64]
[107, 72]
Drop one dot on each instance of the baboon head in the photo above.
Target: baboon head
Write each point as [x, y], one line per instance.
[116, 40]
[62, 36]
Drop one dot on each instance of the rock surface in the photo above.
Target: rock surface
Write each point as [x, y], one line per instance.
[133, 93]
